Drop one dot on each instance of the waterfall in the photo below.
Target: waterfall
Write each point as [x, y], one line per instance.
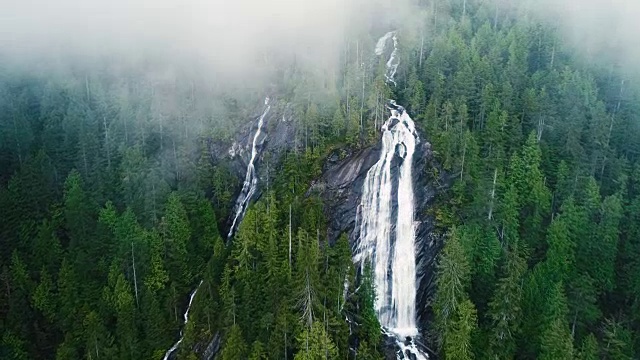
[251, 179]
[248, 189]
[186, 319]
[387, 233]
[392, 63]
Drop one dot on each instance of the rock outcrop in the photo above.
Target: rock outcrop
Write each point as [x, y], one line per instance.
[341, 188]
[277, 135]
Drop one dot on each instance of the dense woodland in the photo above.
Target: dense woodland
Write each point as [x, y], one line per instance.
[112, 212]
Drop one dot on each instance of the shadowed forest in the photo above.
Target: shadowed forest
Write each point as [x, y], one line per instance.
[112, 210]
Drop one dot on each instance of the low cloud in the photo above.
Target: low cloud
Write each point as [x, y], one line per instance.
[601, 30]
[231, 39]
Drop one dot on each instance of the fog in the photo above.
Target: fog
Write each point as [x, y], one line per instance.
[230, 39]
[601, 30]
[243, 42]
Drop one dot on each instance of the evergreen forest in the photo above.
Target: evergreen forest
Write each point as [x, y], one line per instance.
[112, 212]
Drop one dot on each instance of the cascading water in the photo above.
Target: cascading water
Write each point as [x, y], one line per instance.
[248, 189]
[387, 237]
[250, 179]
[186, 319]
[392, 63]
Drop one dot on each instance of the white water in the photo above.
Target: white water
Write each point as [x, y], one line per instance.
[250, 179]
[186, 319]
[392, 63]
[387, 239]
[382, 42]
[393, 261]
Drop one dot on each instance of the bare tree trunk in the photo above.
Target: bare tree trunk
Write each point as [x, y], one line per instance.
[289, 237]
[144, 139]
[135, 278]
[615, 112]
[306, 137]
[435, 16]
[308, 302]
[175, 158]
[153, 203]
[15, 134]
[161, 132]
[464, 152]
[540, 127]
[375, 117]
[126, 129]
[358, 52]
[106, 141]
[285, 343]
[553, 54]
[86, 84]
[493, 193]
[347, 104]
[421, 51]
[84, 159]
[613, 116]
[362, 105]
[326, 329]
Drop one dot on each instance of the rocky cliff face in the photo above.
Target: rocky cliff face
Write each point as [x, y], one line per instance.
[340, 186]
[277, 135]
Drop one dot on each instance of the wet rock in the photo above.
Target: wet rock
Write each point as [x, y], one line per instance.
[212, 349]
[341, 189]
[277, 136]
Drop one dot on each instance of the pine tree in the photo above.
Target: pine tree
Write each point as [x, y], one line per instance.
[176, 233]
[314, 344]
[589, 349]
[234, 347]
[451, 285]
[618, 341]
[458, 336]
[556, 340]
[257, 351]
[369, 330]
[505, 307]
[43, 296]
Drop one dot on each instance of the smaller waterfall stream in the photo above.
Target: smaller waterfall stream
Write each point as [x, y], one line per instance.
[250, 179]
[186, 319]
[392, 63]
[248, 189]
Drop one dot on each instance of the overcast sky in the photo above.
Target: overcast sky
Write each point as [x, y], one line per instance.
[234, 34]
[597, 28]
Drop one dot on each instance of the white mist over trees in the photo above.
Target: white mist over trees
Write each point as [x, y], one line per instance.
[112, 210]
[231, 40]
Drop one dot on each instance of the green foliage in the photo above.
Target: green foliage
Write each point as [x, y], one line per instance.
[370, 329]
[315, 344]
[234, 347]
[451, 290]
[112, 209]
[458, 335]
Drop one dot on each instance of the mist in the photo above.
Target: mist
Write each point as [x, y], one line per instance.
[605, 31]
[225, 41]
